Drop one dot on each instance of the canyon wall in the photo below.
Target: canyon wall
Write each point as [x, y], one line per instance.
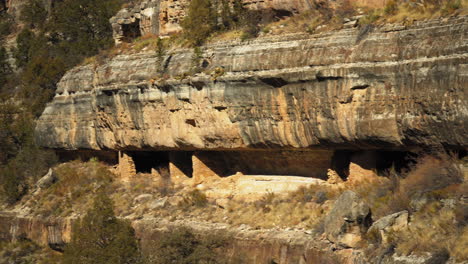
[392, 87]
[244, 246]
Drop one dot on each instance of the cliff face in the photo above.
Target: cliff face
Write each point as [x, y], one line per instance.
[391, 87]
[249, 245]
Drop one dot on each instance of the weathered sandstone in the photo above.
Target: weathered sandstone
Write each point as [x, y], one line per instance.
[251, 246]
[393, 87]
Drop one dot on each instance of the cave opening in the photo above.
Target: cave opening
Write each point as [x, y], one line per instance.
[131, 31]
[146, 161]
[382, 161]
[309, 164]
[401, 161]
[340, 162]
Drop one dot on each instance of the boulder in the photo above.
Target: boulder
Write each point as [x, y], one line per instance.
[175, 200]
[47, 180]
[381, 228]
[142, 198]
[348, 220]
[160, 203]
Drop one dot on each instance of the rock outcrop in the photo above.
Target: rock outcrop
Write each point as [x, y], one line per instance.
[382, 228]
[250, 246]
[394, 87]
[47, 180]
[348, 221]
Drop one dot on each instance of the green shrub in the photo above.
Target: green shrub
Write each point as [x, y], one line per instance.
[391, 7]
[13, 187]
[195, 198]
[101, 238]
[200, 22]
[370, 18]
[34, 13]
[6, 25]
[182, 246]
[5, 69]
[451, 6]
[196, 60]
[24, 45]
[24, 251]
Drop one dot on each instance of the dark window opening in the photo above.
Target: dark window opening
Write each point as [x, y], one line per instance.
[145, 161]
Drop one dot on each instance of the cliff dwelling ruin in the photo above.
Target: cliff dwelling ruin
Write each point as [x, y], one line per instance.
[264, 172]
[284, 113]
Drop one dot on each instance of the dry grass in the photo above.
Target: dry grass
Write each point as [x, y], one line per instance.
[194, 198]
[225, 36]
[313, 21]
[410, 11]
[71, 193]
[78, 182]
[147, 42]
[434, 228]
[273, 211]
[430, 178]
[25, 251]
[431, 191]
[426, 191]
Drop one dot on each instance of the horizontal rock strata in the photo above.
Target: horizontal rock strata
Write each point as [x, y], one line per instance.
[393, 87]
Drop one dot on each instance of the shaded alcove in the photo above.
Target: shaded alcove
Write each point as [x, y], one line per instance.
[145, 161]
[182, 161]
[340, 162]
[379, 160]
[401, 161]
[312, 164]
[131, 31]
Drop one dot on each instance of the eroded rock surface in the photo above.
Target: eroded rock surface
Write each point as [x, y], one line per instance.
[393, 87]
[348, 221]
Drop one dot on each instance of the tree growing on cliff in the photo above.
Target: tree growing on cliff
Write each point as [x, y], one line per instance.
[5, 68]
[34, 13]
[101, 238]
[200, 22]
[23, 50]
[182, 246]
[82, 28]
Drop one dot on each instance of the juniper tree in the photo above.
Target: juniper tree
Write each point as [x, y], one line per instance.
[200, 22]
[101, 238]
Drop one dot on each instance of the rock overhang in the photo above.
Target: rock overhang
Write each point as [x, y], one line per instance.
[396, 88]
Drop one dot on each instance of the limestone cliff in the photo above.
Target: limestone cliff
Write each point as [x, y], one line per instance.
[371, 88]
